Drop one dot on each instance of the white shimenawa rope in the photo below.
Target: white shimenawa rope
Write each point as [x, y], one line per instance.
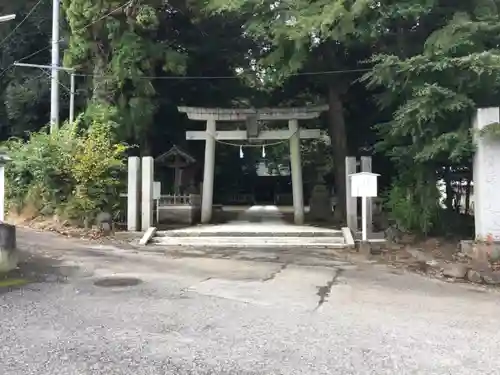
[263, 145]
[252, 144]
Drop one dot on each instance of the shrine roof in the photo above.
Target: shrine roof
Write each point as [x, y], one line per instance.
[175, 150]
[241, 114]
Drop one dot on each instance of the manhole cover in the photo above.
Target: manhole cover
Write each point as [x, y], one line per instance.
[109, 282]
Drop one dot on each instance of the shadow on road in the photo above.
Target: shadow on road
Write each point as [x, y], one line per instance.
[34, 269]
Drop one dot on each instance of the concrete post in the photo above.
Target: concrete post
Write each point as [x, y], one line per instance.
[296, 165]
[147, 192]
[351, 202]
[9, 256]
[208, 174]
[366, 166]
[133, 196]
[486, 177]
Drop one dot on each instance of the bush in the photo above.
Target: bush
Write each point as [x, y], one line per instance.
[70, 173]
[413, 203]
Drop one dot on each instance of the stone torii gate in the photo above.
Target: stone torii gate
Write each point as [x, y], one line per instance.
[251, 116]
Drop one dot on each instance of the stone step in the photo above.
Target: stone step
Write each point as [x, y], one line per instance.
[256, 242]
[248, 233]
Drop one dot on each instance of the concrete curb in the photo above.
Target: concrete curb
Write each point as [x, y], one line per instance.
[238, 234]
[147, 236]
[349, 239]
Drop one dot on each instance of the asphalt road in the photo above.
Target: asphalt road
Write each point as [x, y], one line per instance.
[223, 315]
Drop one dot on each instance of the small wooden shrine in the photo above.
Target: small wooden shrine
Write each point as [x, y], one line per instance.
[180, 161]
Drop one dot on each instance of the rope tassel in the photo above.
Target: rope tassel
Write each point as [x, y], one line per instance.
[241, 152]
[263, 151]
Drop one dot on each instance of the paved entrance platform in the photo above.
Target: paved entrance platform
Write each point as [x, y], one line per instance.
[258, 226]
[245, 229]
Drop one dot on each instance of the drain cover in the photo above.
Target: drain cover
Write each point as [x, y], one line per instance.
[109, 282]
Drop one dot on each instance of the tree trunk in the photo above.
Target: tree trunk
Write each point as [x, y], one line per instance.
[449, 189]
[100, 93]
[337, 131]
[145, 146]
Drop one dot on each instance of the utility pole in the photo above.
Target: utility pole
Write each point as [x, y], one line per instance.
[54, 84]
[72, 87]
[3, 158]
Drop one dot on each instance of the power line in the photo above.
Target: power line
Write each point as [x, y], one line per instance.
[329, 72]
[47, 74]
[20, 23]
[326, 72]
[50, 45]
[79, 30]
[5, 70]
[33, 79]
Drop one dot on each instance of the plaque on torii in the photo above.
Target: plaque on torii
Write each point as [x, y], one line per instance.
[253, 127]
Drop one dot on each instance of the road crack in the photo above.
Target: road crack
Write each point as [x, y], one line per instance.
[325, 290]
[276, 273]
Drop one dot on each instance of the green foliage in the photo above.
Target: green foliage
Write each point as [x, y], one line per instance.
[24, 98]
[26, 103]
[97, 170]
[122, 50]
[69, 173]
[433, 94]
[413, 202]
[436, 91]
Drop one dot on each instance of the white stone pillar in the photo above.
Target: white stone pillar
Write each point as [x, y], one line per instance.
[486, 176]
[147, 192]
[366, 166]
[2, 193]
[208, 174]
[296, 166]
[133, 196]
[351, 205]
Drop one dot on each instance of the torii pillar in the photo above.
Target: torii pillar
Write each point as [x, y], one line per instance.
[296, 167]
[293, 134]
[207, 197]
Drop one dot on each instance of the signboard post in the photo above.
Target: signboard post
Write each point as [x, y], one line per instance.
[156, 198]
[364, 185]
[156, 190]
